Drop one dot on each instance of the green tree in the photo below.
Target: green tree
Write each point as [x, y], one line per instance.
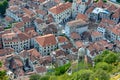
[35, 77]
[99, 58]
[82, 75]
[116, 69]
[110, 58]
[100, 75]
[3, 75]
[104, 66]
[68, 0]
[105, 52]
[45, 78]
[105, 1]
[5, 3]
[64, 77]
[118, 1]
[118, 57]
[3, 6]
[0, 64]
[62, 69]
[102, 0]
[53, 78]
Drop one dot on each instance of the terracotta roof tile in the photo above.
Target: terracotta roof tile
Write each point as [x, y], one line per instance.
[67, 46]
[75, 35]
[31, 33]
[100, 3]
[26, 18]
[41, 69]
[41, 1]
[13, 37]
[39, 21]
[8, 19]
[76, 23]
[116, 13]
[6, 51]
[112, 8]
[74, 50]
[62, 39]
[60, 8]
[19, 24]
[59, 52]
[82, 16]
[96, 34]
[46, 40]
[107, 21]
[89, 10]
[34, 52]
[78, 44]
[42, 12]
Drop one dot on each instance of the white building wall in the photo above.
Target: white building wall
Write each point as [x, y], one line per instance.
[18, 46]
[101, 30]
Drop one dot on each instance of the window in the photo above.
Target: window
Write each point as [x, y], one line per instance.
[68, 13]
[59, 18]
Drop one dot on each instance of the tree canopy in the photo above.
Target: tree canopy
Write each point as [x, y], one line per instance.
[100, 75]
[45, 78]
[0, 64]
[3, 6]
[62, 69]
[104, 66]
[110, 58]
[98, 0]
[118, 1]
[35, 77]
[3, 75]
[82, 75]
[68, 0]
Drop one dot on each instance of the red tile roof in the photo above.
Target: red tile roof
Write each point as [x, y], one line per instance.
[46, 40]
[96, 34]
[62, 39]
[82, 16]
[39, 21]
[59, 52]
[8, 19]
[13, 37]
[6, 51]
[19, 24]
[75, 35]
[89, 10]
[78, 44]
[60, 8]
[100, 3]
[116, 13]
[26, 18]
[41, 1]
[75, 23]
[41, 69]
[112, 8]
[42, 12]
[34, 52]
[108, 21]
